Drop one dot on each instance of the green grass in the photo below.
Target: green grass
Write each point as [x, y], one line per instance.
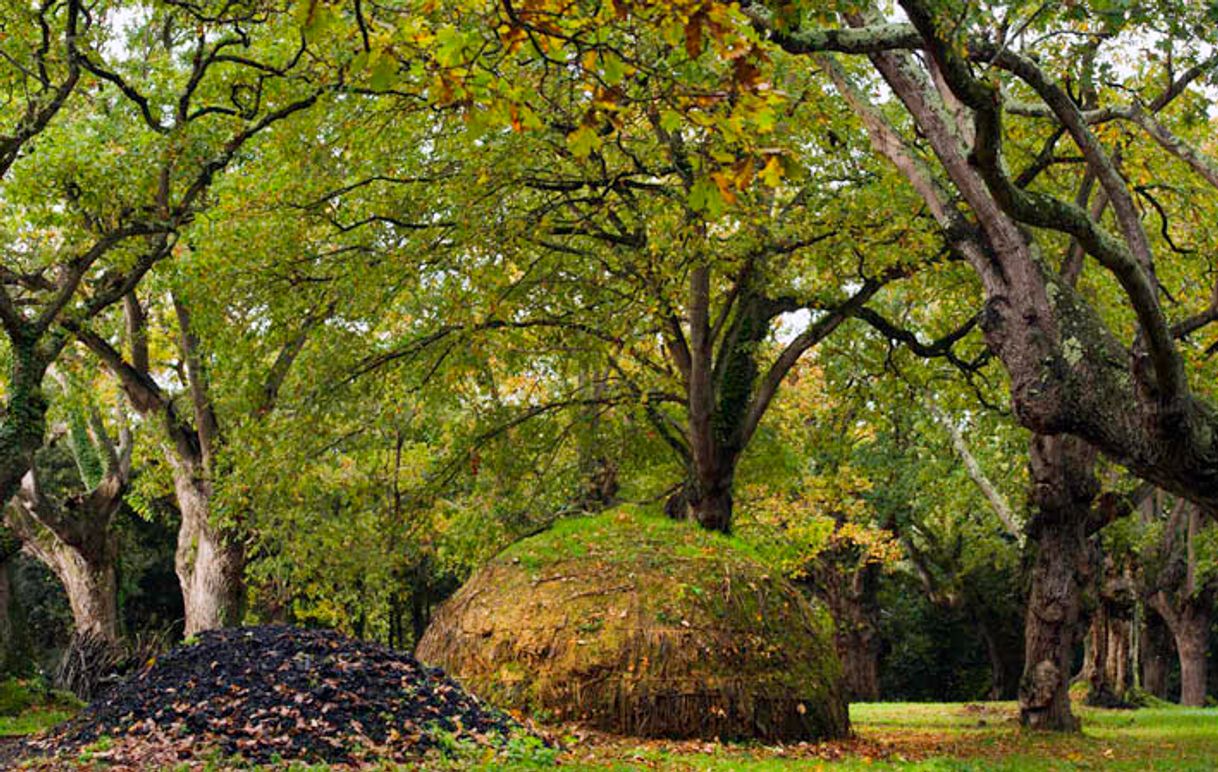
[580, 534]
[947, 737]
[955, 737]
[30, 705]
[33, 720]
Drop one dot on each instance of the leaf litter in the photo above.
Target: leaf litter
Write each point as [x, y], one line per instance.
[273, 693]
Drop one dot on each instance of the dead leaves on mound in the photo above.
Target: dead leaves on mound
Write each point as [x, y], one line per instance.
[275, 693]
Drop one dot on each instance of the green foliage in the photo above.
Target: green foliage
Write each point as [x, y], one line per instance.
[431, 306]
[20, 698]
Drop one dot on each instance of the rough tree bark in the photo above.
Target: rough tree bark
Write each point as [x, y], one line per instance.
[209, 561]
[89, 582]
[1156, 653]
[210, 557]
[1190, 627]
[1110, 635]
[1069, 372]
[1064, 487]
[1185, 603]
[727, 392]
[72, 534]
[1192, 644]
[849, 591]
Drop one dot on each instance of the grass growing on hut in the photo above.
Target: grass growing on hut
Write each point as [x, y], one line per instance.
[643, 625]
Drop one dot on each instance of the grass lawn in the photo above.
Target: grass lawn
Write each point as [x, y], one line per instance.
[919, 736]
[938, 736]
[33, 720]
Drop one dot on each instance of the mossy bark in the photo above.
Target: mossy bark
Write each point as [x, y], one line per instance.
[1110, 637]
[849, 591]
[24, 423]
[719, 410]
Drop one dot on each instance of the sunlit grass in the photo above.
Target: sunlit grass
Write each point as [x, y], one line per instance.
[959, 737]
[32, 720]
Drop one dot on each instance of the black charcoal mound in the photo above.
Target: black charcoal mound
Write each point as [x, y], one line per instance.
[281, 693]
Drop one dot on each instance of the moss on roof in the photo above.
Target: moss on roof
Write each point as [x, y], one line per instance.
[643, 625]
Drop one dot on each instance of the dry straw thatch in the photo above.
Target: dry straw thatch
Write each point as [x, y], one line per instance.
[643, 626]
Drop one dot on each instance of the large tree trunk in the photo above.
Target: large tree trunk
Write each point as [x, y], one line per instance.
[709, 504]
[210, 563]
[91, 587]
[849, 590]
[86, 568]
[74, 539]
[1110, 637]
[1156, 653]
[713, 507]
[1186, 605]
[1050, 629]
[725, 400]
[1190, 626]
[1064, 486]
[859, 652]
[1192, 643]
[1068, 371]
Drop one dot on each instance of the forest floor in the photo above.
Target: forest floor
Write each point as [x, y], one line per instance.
[946, 736]
[923, 736]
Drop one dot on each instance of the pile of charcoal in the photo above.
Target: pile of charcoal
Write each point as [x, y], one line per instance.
[279, 693]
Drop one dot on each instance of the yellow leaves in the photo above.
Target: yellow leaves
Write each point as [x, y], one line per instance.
[442, 90]
[512, 37]
[583, 141]
[771, 173]
[725, 184]
[877, 545]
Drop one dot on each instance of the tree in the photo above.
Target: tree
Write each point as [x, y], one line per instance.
[45, 270]
[1069, 370]
[1180, 585]
[67, 524]
[638, 238]
[195, 86]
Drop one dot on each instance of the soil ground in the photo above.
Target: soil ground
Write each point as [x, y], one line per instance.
[922, 736]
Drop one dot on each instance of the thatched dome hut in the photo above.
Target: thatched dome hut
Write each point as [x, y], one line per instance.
[644, 626]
